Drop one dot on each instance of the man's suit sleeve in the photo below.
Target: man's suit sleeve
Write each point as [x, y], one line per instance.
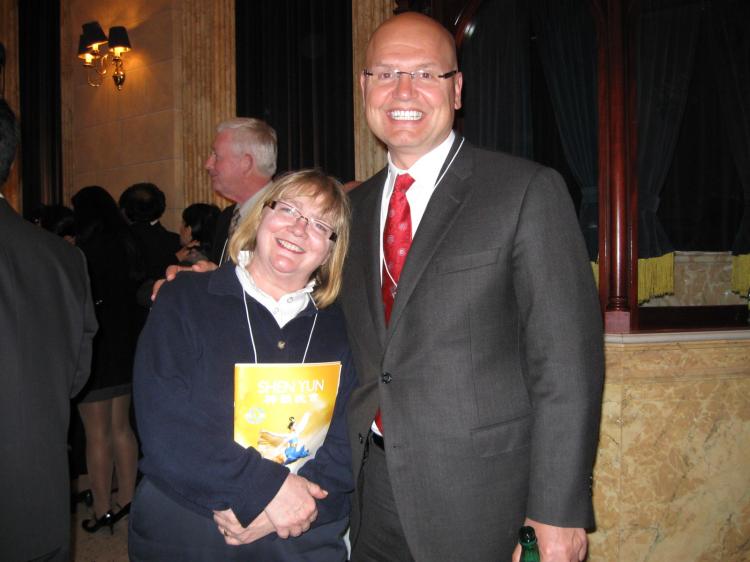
[221, 234]
[90, 326]
[562, 352]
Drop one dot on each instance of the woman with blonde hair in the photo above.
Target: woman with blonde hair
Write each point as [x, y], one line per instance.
[204, 496]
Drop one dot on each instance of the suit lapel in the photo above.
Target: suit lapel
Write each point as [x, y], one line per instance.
[370, 220]
[441, 211]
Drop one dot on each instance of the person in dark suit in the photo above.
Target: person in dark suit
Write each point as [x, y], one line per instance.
[241, 165]
[474, 323]
[47, 325]
[144, 204]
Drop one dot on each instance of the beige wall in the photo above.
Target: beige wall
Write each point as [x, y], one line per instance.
[144, 132]
[117, 138]
[180, 84]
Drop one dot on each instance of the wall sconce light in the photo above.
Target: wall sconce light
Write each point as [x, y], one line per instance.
[90, 50]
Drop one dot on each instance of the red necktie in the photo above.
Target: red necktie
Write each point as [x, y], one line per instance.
[396, 240]
[396, 244]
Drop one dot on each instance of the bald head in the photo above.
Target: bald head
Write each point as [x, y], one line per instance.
[414, 23]
[411, 115]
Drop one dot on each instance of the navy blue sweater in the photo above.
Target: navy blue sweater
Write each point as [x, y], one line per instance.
[184, 393]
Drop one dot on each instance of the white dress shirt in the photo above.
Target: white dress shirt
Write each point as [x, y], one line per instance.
[425, 173]
[284, 309]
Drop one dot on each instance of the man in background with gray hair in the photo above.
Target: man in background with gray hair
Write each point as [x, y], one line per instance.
[241, 165]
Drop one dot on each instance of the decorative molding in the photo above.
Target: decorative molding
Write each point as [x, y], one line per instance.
[676, 337]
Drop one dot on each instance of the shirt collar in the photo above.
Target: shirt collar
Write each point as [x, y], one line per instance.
[425, 170]
[246, 205]
[283, 310]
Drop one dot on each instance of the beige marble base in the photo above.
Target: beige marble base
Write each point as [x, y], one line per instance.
[701, 279]
[672, 478]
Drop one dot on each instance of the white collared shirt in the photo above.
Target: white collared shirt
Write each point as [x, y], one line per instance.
[425, 173]
[284, 309]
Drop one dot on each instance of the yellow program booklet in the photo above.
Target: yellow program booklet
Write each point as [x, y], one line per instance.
[284, 410]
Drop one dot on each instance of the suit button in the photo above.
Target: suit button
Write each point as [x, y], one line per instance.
[361, 438]
[386, 378]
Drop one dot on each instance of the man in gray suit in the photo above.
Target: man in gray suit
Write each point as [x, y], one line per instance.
[475, 327]
[47, 325]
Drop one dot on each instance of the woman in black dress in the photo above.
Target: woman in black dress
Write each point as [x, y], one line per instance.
[116, 270]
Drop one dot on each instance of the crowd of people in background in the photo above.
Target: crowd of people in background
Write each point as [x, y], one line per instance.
[126, 249]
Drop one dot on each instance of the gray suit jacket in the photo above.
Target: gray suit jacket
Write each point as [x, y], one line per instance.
[489, 376]
[47, 324]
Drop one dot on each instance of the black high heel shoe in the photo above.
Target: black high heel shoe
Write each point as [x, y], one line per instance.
[106, 520]
[122, 512]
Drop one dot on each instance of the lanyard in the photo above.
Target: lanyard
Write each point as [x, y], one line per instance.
[385, 265]
[252, 338]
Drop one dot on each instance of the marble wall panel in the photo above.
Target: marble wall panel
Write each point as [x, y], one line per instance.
[672, 478]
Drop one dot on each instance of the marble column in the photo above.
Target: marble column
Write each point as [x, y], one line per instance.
[208, 90]
[369, 152]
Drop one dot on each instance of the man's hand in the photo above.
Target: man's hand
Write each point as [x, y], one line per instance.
[200, 266]
[293, 509]
[557, 544]
[183, 253]
[235, 534]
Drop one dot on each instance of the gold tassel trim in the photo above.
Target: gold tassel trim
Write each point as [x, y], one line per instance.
[741, 274]
[655, 277]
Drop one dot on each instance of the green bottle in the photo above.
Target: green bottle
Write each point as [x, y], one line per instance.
[529, 549]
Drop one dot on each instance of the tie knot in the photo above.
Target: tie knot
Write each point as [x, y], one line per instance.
[403, 182]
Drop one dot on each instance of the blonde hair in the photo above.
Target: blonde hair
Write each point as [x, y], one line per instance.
[310, 183]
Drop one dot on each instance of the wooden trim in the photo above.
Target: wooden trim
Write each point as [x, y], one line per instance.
[653, 318]
[9, 37]
[615, 216]
[464, 20]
